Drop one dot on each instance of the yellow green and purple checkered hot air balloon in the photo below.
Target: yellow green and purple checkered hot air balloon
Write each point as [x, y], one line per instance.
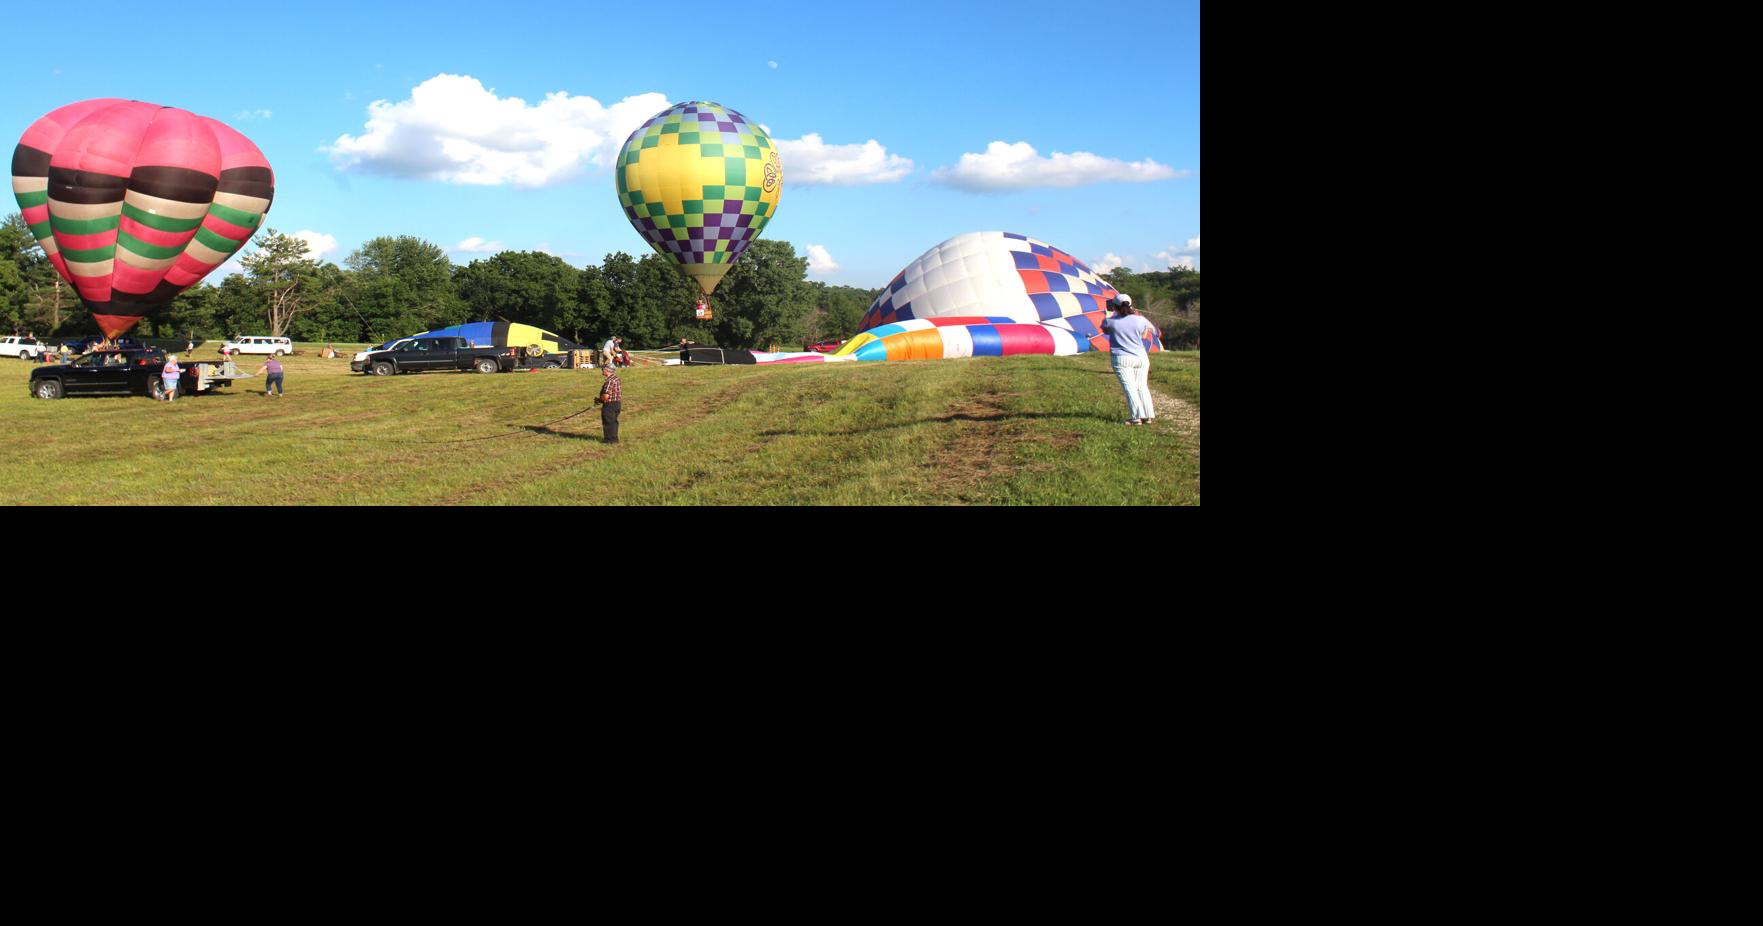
[134, 203]
[699, 182]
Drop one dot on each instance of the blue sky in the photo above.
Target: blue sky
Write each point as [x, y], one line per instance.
[497, 118]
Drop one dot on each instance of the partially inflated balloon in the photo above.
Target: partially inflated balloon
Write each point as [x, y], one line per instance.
[134, 203]
[700, 182]
[987, 294]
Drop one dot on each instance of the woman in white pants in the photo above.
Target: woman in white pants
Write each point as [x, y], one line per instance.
[1130, 357]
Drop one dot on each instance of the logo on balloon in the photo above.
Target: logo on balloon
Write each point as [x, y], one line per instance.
[773, 170]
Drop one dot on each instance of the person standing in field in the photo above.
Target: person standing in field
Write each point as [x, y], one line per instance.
[169, 377]
[273, 367]
[611, 401]
[1131, 361]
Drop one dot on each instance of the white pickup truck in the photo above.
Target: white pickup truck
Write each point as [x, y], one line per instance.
[22, 348]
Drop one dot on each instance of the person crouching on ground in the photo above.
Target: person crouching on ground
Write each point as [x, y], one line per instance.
[169, 376]
[273, 367]
[610, 400]
[1127, 353]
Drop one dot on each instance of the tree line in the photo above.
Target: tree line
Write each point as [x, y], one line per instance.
[395, 286]
[1169, 298]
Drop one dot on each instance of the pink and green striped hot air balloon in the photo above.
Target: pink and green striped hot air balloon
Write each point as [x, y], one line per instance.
[134, 202]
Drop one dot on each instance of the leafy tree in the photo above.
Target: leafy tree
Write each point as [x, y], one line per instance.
[329, 316]
[238, 307]
[607, 296]
[402, 286]
[591, 304]
[34, 295]
[666, 303]
[285, 278]
[520, 286]
[1169, 298]
[13, 295]
[838, 311]
[196, 310]
[648, 302]
[765, 299]
[18, 251]
[52, 306]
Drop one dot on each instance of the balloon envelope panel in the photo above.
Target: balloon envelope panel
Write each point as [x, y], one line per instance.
[988, 274]
[134, 202]
[699, 182]
[986, 294]
[504, 334]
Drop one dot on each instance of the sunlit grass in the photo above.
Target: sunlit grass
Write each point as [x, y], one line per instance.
[1024, 430]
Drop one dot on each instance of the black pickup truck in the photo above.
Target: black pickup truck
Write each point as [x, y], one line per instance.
[421, 355]
[127, 372]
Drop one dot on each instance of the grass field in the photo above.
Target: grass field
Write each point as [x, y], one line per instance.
[1015, 431]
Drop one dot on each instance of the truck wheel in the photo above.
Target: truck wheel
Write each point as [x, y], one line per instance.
[155, 389]
[48, 389]
[486, 365]
[279, 352]
[384, 368]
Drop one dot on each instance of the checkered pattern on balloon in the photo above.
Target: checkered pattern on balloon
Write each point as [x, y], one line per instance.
[699, 182]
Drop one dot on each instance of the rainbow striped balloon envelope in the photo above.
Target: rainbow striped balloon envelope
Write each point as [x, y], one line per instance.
[699, 182]
[134, 202]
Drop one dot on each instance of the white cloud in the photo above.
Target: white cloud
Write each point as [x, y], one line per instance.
[772, 65]
[819, 261]
[476, 245]
[1176, 256]
[317, 245]
[1109, 263]
[1020, 167]
[454, 130]
[250, 114]
[810, 161]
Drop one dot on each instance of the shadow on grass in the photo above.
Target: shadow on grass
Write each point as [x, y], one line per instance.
[535, 429]
[946, 419]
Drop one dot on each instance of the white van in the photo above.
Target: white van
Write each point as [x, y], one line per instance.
[275, 346]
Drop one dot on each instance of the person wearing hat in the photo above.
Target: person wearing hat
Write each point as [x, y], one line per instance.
[1127, 353]
[610, 400]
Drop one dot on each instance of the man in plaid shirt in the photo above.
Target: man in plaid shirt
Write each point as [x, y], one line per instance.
[610, 400]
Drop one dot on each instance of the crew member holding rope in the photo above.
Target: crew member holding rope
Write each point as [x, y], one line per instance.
[610, 400]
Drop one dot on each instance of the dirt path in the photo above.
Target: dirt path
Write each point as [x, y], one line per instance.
[1183, 417]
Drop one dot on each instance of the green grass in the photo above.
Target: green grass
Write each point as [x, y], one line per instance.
[1016, 431]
